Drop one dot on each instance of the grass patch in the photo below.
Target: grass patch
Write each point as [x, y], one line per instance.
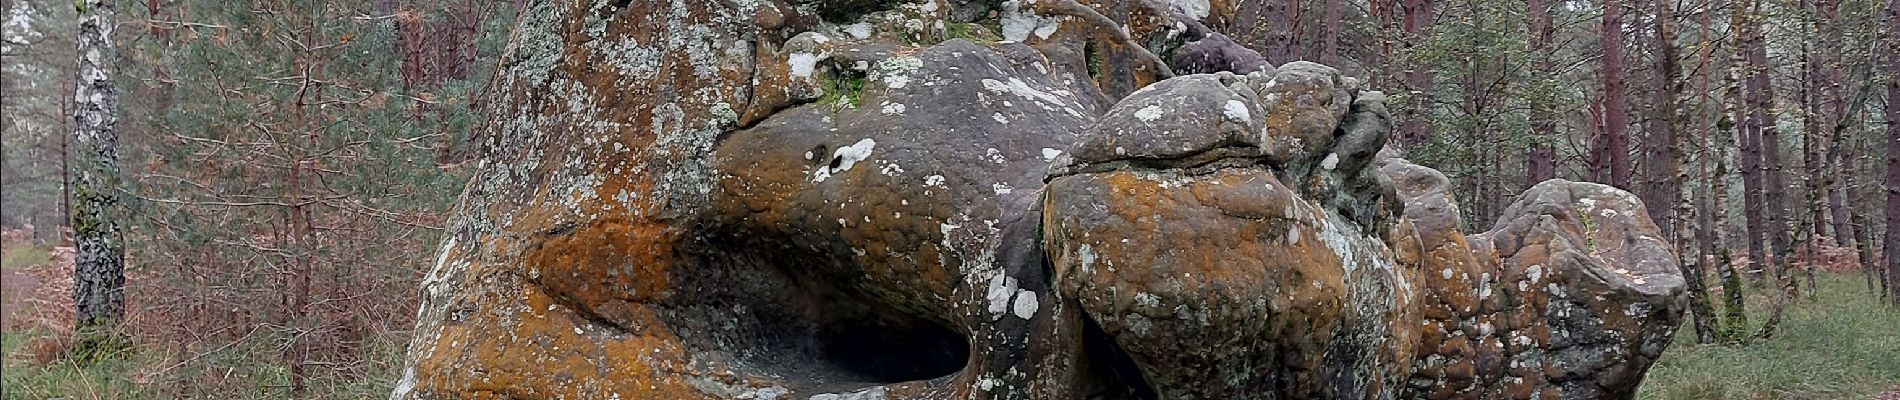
[249, 369]
[970, 31]
[844, 92]
[25, 256]
[1844, 345]
[64, 379]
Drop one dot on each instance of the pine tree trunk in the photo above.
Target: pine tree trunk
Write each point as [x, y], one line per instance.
[1663, 164]
[1541, 159]
[1748, 138]
[1814, 136]
[1615, 138]
[1762, 95]
[98, 210]
[1329, 51]
[1415, 130]
[1279, 19]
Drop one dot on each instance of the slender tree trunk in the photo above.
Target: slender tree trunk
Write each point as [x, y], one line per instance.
[1709, 154]
[1280, 19]
[1615, 102]
[1329, 50]
[1812, 225]
[98, 210]
[1762, 116]
[1734, 309]
[1667, 149]
[1839, 177]
[1664, 161]
[1541, 159]
[1893, 150]
[1748, 136]
[65, 182]
[1414, 130]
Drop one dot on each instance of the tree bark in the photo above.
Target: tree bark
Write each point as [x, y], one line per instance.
[1748, 136]
[1541, 159]
[1329, 49]
[1761, 92]
[1707, 233]
[98, 210]
[1274, 26]
[1813, 94]
[1663, 163]
[1893, 150]
[1414, 130]
[1615, 135]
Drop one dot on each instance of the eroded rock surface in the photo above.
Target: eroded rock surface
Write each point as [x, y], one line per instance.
[874, 199]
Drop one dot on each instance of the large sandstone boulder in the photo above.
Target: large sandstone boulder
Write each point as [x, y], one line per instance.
[864, 199]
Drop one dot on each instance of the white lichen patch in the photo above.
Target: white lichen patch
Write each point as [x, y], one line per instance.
[1331, 161]
[1025, 305]
[995, 156]
[987, 383]
[1019, 21]
[860, 30]
[1001, 188]
[933, 180]
[1022, 89]
[893, 108]
[1086, 254]
[1147, 300]
[845, 158]
[1197, 9]
[1001, 288]
[802, 64]
[1049, 154]
[891, 169]
[895, 71]
[1000, 118]
[1149, 113]
[1237, 111]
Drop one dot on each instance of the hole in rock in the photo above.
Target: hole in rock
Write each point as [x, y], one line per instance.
[848, 11]
[1117, 376]
[890, 350]
[792, 309]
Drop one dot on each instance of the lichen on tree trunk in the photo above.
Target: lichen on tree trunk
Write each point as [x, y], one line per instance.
[99, 254]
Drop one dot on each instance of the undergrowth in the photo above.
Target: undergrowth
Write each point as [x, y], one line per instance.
[1843, 345]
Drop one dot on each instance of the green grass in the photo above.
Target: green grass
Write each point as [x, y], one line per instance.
[25, 256]
[1845, 345]
[970, 31]
[64, 378]
[249, 369]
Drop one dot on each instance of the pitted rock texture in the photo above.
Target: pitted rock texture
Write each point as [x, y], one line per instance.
[865, 199]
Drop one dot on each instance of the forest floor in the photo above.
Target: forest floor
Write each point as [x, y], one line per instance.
[1844, 344]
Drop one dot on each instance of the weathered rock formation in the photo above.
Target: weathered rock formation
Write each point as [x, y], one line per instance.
[862, 199]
